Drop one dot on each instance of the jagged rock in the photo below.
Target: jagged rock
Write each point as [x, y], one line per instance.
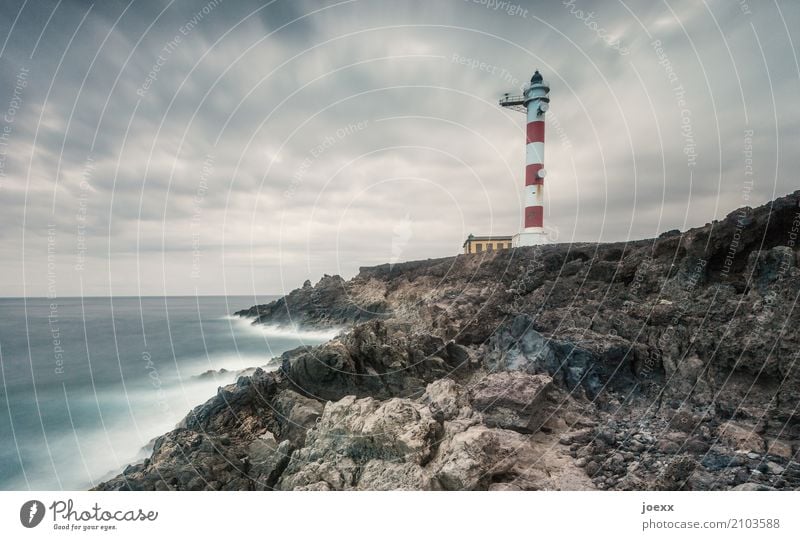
[715, 461]
[328, 303]
[581, 436]
[470, 459]
[373, 359]
[752, 486]
[296, 414]
[768, 266]
[186, 460]
[780, 448]
[684, 421]
[511, 400]
[741, 438]
[521, 347]
[380, 475]
[446, 400]
[246, 399]
[267, 459]
[675, 475]
[211, 373]
[353, 432]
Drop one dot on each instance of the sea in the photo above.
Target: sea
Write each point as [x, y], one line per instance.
[86, 384]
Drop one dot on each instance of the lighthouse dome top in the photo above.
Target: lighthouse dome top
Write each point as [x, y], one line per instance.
[538, 88]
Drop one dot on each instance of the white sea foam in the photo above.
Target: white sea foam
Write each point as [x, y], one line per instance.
[83, 456]
[132, 419]
[154, 413]
[229, 361]
[294, 332]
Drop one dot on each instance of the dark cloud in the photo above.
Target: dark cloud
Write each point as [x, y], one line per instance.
[282, 140]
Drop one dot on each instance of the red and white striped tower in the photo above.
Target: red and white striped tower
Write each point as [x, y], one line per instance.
[534, 102]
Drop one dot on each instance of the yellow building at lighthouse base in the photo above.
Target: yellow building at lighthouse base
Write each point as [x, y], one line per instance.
[481, 244]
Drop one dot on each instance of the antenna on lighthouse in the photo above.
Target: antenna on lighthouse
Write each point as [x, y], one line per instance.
[534, 101]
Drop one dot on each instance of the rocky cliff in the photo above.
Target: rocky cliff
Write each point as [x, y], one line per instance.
[668, 363]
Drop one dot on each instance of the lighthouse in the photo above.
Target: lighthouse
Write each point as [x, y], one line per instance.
[534, 102]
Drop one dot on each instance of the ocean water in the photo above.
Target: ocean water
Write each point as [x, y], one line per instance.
[87, 383]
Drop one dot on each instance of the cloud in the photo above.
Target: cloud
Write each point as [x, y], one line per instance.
[270, 143]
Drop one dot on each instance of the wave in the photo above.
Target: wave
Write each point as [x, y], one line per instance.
[294, 332]
[230, 362]
[82, 455]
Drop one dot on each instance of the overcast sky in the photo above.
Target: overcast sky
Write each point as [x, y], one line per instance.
[187, 147]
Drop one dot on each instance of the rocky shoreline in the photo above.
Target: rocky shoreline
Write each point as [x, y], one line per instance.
[664, 364]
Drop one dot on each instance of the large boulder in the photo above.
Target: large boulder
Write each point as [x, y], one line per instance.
[474, 458]
[741, 438]
[267, 459]
[373, 359]
[512, 400]
[244, 403]
[446, 400]
[296, 414]
[352, 434]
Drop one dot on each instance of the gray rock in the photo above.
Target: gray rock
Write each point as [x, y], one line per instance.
[511, 400]
[353, 433]
[296, 414]
[268, 459]
[752, 486]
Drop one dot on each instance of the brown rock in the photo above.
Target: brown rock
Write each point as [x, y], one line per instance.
[511, 400]
[739, 437]
[779, 448]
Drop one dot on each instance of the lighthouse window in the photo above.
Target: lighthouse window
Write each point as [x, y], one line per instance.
[489, 246]
[478, 248]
